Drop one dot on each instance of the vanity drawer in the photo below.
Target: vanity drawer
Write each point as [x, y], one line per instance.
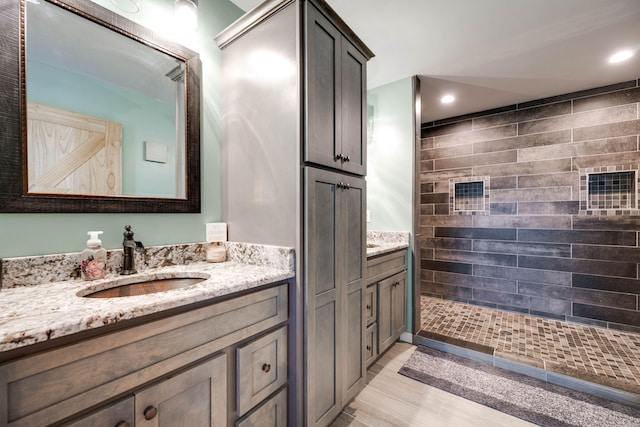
[272, 413]
[371, 344]
[383, 266]
[371, 305]
[262, 368]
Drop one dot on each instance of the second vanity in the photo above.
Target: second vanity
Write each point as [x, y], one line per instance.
[386, 294]
[214, 353]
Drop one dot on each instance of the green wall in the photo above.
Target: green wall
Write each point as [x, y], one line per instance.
[38, 234]
[390, 159]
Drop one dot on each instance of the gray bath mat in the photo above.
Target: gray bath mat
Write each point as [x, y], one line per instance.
[524, 397]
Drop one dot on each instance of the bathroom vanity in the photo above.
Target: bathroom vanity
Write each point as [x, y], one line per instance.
[386, 294]
[214, 353]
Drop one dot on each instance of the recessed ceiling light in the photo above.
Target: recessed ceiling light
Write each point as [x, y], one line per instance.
[623, 55]
[447, 99]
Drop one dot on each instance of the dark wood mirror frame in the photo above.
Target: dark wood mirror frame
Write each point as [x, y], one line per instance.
[13, 195]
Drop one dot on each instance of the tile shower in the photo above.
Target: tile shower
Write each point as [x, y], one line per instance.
[533, 208]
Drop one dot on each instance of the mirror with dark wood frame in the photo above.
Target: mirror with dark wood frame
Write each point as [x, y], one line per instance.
[54, 140]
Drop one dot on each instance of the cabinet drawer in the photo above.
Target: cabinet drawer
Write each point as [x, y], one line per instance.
[119, 414]
[371, 344]
[262, 369]
[383, 266]
[272, 413]
[371, 305]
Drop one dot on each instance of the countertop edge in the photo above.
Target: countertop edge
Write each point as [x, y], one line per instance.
[25, 329]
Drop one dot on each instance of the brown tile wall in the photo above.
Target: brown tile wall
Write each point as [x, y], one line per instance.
[535, 252]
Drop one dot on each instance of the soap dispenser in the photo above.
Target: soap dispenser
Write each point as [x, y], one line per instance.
[93, 260]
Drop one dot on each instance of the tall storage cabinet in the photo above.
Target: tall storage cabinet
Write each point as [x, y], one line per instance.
[293, 158]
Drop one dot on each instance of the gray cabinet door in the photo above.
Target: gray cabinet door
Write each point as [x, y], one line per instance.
[352, 240]
[324, 297]
[119, 414]
[399, 306]
[196, 397]
[323, 95]
[392, 313]
[353, 109]
[335, 97]
[334, 277]
[385, 329]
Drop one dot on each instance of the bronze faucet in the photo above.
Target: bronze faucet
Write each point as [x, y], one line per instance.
[128, 246]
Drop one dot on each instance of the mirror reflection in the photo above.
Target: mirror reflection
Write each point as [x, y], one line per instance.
[105, 113]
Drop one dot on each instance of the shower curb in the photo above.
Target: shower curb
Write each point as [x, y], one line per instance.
[484, 354]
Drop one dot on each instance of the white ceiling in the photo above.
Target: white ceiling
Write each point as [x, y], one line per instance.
[493, 53]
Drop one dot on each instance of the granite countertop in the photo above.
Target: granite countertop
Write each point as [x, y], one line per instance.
[52, 306]
[382, 242]
[33, 314]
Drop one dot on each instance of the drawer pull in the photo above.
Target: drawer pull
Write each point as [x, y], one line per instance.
[150, 412]
[123, 423]
[266, 367]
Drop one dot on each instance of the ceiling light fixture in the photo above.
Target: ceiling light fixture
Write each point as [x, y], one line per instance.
[187, 14]
[447, 99]
[129, 6]
[620, 56]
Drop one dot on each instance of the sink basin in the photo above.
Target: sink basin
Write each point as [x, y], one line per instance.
[145, 287]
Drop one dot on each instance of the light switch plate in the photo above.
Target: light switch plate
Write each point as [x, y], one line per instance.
[155, 152]
[216, 232]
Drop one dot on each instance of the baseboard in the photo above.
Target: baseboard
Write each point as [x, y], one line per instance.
[406, 337]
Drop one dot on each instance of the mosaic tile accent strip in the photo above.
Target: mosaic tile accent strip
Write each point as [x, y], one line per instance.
[609, 190]
[599, 355]
[469, 195]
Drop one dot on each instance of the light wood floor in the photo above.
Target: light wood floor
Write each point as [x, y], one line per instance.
[391, 399]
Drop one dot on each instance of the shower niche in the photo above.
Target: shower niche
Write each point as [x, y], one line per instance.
[609, 190]
[469, 195]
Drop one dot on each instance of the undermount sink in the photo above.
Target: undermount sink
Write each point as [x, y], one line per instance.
[143, 287]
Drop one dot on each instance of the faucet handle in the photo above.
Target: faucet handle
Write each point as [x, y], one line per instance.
[139, 247]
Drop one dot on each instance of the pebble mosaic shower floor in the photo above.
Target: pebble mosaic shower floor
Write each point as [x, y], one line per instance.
[603, 356]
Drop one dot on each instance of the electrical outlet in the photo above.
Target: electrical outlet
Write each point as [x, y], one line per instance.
[216, 232]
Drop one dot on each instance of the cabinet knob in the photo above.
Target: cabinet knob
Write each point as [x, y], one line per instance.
[368, 348]
[150, 412]
[266, 367]
[122, 423]
[368, 307]
[339, 157]
[346, 158]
